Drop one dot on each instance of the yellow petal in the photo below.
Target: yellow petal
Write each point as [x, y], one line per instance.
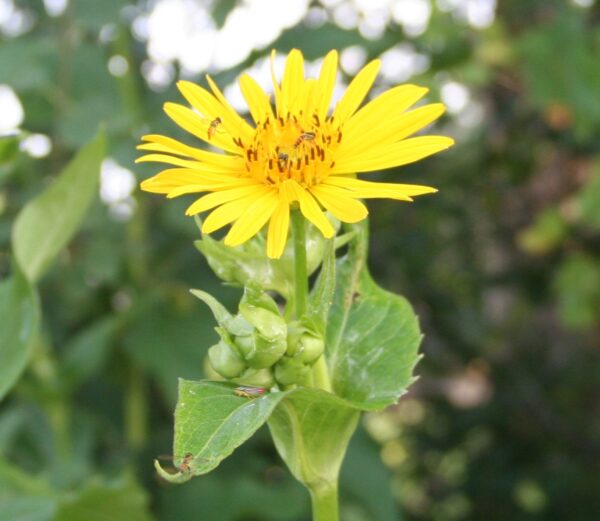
[218, 198]
[292, 84]
[198, 126]
[257, 99]
[176, 147]
[278, 229]
[395, 128]
[276, 87]
[339, 203]
[167, 180]
[209, 186]
[211, 108]
[292, 191]
[253, 219]
[372, 190]
[172, 160]
[356, 91]
[391, 155]
[326, 83]
[244, 130]
[225, 214]
[393, 101]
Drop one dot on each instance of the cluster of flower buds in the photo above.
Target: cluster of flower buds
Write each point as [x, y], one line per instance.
[248, 264]
[257, 347]
[304, 347]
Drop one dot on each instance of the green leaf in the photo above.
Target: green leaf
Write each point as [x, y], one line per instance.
[321, 296]
[19, 309]
[588, 199]
[26, 508]
[48, 222]
[373, 336]
[86, 353]
[577, 284]
[311, 430]
[121, 501]
[211, 421]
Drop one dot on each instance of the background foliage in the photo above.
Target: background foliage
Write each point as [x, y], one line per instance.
[503, 267]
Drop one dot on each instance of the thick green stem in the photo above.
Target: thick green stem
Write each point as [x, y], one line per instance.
[300, 269]
[325, 503]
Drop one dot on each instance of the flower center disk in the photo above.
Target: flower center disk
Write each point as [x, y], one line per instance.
[292, 148]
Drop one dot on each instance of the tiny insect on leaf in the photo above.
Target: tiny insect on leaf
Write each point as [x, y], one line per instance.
[249, 392]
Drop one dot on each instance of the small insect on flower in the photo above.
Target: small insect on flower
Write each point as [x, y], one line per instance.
[305, 136]
[212, 127]
[282, 159]
[249, 392]
[184, 466]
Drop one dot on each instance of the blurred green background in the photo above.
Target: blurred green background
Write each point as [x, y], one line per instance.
[502, 265]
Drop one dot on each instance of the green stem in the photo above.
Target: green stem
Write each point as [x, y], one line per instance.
[136, 408]
[321, 374]
[325, 503]
[300, 269]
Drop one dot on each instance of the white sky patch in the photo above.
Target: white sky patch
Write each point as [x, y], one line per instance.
[55, 7]
[477, 13]
[116, 182]
[118, 65]
[472, 115]
[346, 16]
[14, 22]
[158, 75]
[481, 13]
[36, 145]
[254, 25]
[7, 8]
[455, 96]
[171, 27]
[184, 31]
[315, 17]
[401, 62]
[583, 3]
[413, 15]
[372, 25]
[116, 186]
[331, 3]
[10, 109]
[352, 59]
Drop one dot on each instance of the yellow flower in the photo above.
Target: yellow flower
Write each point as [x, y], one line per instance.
[300, 154]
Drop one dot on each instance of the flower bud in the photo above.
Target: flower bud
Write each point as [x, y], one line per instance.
[258, 308]
[225, 361]
[257, 334]
[256, 378]
[312, 347]
[290, 370]
[304, 343]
